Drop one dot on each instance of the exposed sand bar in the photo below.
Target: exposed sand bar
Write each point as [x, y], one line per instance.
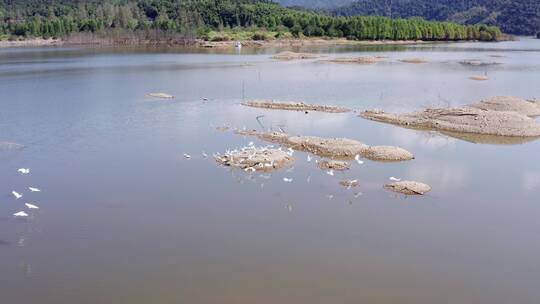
[294, 56]
[294, 106]
[340, 148]
[161, 95]
[255, 159]
[408, 187]
[479, 77]
[509, 103]
[357, 60]
[334, 165]
[349, 183]
[476, 62]
[499, 116]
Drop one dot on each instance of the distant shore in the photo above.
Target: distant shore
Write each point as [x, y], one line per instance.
[196, 43]
[35, 42]
[92, 41]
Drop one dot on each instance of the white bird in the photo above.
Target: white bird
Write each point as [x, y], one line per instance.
[250, 143]
[31, 206]
[20, 214]
[287, 180]
[357, 158]
[331, 172]
[32, 189]
[250, 169]
[23, 170]
[187, 155]
[204, 155]
[309, 158]
[395, 179]
[291, 152]
[290, 207]
[16, 194]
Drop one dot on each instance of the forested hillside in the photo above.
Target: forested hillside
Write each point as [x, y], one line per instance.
[512, 16]
[315, 4]
[196, 18]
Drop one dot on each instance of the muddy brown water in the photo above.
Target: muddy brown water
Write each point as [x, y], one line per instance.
[126, 218]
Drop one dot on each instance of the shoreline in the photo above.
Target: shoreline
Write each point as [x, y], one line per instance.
[303, 42]
[29, 43]
[199, 43]
[115, 42]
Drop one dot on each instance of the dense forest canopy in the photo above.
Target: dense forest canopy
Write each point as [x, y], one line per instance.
[315, 4]
[196, 18]
[512, 16]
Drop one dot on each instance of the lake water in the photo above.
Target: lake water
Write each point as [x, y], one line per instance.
[125, 218]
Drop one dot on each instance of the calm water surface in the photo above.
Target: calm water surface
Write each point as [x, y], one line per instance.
[125, 218]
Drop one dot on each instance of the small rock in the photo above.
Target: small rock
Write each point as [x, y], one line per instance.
[408, 187]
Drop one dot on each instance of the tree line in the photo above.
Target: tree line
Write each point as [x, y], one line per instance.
[49, 18]
[520, 17]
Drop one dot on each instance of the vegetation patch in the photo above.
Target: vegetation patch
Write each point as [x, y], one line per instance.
[191, 19]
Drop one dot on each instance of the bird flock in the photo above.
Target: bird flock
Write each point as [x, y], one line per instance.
[251, 150]
[251, 147]
[17, 196]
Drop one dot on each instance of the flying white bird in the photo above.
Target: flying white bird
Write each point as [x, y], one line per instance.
[16, 194]
[32, 189]
[187, 155]
[357, 158]
[331, 172]
[204, 155]
[23, 170]
[31, 206]
[287, 180]
[395, 179]
[20, 214]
